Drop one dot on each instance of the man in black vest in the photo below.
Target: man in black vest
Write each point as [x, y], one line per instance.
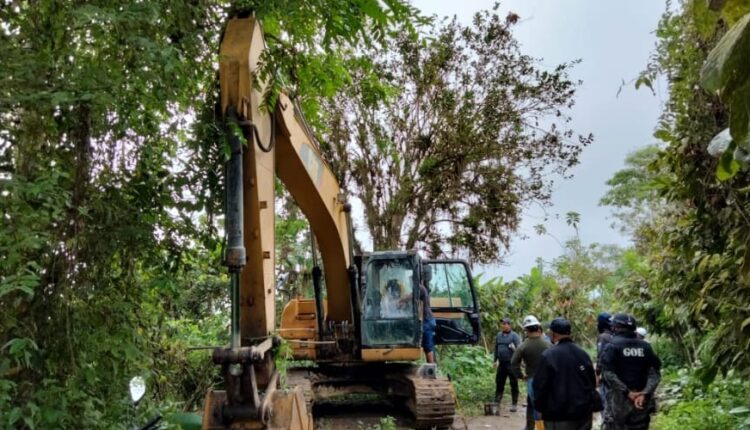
[565, 384]
[631, 373]
[506, 343]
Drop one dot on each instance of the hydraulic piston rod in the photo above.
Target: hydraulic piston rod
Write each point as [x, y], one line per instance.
[235, 256]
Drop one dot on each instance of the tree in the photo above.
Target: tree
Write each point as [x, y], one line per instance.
[577, 285]
[107, 267]
[634, 190]
[468, 132]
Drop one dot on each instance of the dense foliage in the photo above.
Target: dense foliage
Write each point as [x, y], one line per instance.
[110, 178]
[470, 369]
[688, 404]
[688, 278]
[466, 129]
[576, 285]
[110, 261]
[691, 284]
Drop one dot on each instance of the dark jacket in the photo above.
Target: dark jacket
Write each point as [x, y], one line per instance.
[564, 383]
[503, 348]
[630, 359]
[629, 364]
[602, 341]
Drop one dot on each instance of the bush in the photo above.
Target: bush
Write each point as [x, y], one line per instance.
[668, 351]
[470, 369]
[687, 404]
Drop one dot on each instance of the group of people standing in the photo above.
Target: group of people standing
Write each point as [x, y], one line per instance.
[564, 388]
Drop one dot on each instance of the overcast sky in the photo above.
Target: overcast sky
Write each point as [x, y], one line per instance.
[614, 39]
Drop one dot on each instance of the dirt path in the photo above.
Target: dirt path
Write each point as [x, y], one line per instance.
[363, 422]
[505, 421]
[357, 418]
[370, 416]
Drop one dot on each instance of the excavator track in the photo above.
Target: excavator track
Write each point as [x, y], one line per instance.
[433, 402]
[303, 378]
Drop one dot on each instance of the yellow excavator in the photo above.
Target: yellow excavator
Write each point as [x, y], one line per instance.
[364, 326]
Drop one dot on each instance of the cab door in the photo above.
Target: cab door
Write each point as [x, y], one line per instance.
[453, 301]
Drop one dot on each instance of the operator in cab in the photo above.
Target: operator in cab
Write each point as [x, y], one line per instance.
[428, 320]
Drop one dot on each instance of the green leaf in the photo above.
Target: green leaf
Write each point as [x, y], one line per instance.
[14, 415]
[644, 80]
[740, 410]
[726, 61]
[707, 374]
[733, 10]
[663, 135]
[739, 117]
[29, 421]
[728, 166]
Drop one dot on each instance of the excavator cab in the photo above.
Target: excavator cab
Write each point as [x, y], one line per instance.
[392, 309]
[390, 317]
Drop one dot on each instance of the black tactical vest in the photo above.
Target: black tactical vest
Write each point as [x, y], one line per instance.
[630, 359]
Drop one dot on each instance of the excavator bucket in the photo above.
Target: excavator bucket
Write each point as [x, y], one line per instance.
[288, 412]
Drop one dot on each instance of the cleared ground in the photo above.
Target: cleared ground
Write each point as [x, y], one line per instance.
[368, 416]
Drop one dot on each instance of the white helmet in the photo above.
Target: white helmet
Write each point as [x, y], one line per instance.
[529, 321]
[641, 331]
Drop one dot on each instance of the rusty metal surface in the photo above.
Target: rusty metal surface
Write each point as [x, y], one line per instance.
[302, 379]
[212, 419]
[289, 411]
[242, 355]
[391, 354]
[285, 410]
[431, 400]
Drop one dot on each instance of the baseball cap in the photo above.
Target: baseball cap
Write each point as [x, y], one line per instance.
[560, 326]
[505, 320]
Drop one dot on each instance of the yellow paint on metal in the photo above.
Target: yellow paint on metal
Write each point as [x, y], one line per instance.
[297, 161]
[391, 354]
[239, 57]
[292, 154]
[290, 412]
[298, 325]
[316, 191]
[445, 302]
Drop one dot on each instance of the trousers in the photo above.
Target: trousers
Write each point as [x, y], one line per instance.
[532, 415]
[586, 424]
[503, 373]
[637, 421]
[621, 414]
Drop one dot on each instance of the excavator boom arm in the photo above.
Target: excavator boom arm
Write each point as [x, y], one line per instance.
[279, 145]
